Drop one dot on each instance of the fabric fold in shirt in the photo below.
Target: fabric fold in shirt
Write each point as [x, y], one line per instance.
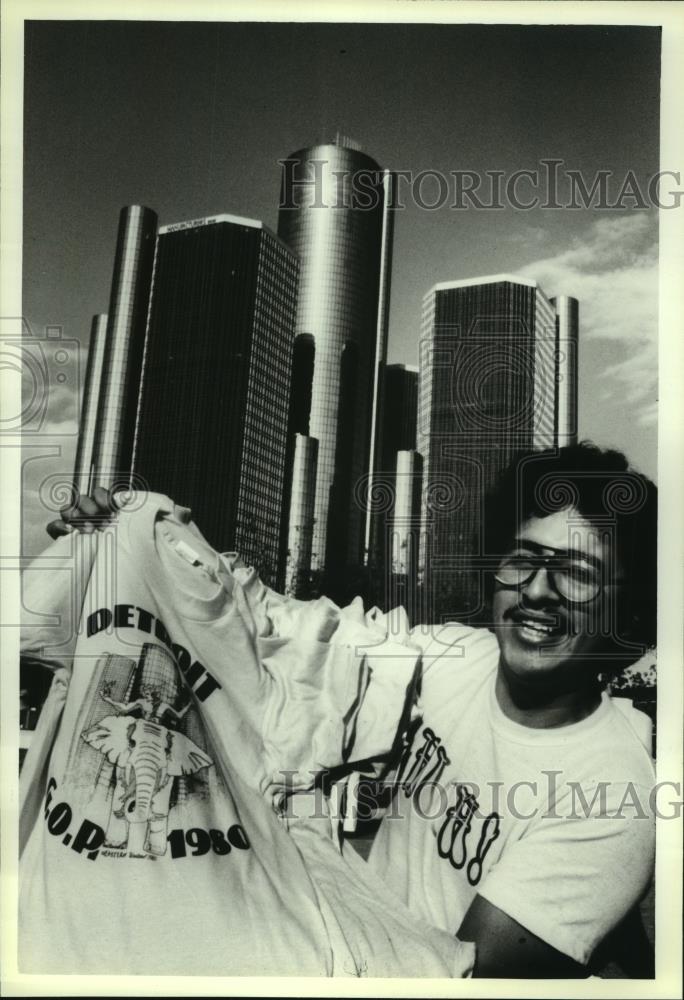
[192, 708]
[320, 660]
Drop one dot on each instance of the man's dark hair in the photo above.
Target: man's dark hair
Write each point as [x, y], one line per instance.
[601, 486]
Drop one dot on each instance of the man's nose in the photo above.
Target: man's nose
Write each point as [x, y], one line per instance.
[539, 587]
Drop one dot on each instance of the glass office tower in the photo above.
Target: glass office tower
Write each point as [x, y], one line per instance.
[213, 408]
[125, 340]
[487, 389]
[399, 384]
[335, 214]
[399, 412]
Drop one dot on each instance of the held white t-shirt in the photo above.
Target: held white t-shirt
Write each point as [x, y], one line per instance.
[152, 852]
[552, 826]
[179, 722]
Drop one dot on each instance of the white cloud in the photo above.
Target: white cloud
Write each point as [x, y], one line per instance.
[56, 428]
[637, 372]
[649, 416]
[613, 272]
[54, 379]
[55, 388]
[46, 482]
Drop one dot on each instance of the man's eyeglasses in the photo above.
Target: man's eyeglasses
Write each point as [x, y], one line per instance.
[575, 582]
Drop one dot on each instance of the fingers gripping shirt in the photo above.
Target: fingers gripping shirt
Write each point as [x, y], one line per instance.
[182, 722]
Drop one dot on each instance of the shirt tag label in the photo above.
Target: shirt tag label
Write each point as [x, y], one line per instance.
[188, 553]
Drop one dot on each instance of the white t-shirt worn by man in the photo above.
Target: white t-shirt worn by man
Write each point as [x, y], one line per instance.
[552, 826]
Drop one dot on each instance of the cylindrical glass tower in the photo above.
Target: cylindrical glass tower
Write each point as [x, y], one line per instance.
[334, 214]
[300, 528]
[125, 342]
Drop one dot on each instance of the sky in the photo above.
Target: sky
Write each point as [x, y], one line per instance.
[191, 120]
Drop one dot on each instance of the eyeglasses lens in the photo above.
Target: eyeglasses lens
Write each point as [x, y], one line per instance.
[575, 583]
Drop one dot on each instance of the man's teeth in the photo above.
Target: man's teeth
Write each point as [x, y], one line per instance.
[537, 626]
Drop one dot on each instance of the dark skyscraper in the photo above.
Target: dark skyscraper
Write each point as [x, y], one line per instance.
[399, 412]
[212, 418]
[393, 494]
[112, 450]
[487, 390]
[335, 215]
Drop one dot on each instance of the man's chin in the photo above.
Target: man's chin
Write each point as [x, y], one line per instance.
[534, 673]
[537, 663]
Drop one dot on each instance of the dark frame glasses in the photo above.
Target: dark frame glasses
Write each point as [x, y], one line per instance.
[575, 582]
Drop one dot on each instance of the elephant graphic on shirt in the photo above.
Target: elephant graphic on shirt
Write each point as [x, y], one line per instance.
[147, 757]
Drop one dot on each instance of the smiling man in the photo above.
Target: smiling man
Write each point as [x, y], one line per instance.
[520, 811]
[520, 818]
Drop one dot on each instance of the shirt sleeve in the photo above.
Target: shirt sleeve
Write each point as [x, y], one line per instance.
[570, 880]
[53, 588]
